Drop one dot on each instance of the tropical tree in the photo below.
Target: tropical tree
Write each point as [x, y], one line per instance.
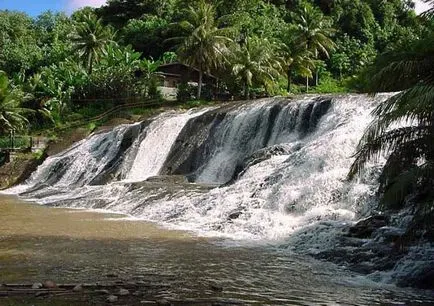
[295, 57]
[204, 46]
[12, 115]
[19, 48]
[255, 62]
[313, 32]
[90, 39]
[403, 129]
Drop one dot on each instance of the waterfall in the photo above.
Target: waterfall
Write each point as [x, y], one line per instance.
[85, 163]
[155, 147]
[273, 169]
[281, 166]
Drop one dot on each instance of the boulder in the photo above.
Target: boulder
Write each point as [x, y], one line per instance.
[422, 278]
[37, 286]
[365, 227]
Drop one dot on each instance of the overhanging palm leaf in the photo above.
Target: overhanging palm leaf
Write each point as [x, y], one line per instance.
[408, 174]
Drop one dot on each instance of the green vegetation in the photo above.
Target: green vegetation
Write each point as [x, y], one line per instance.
[64, 69]
[204, 45]
[12, 115]
[404, 128]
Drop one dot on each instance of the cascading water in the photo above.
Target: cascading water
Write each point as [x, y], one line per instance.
[280, 165]
[155, 147]
[291, 159]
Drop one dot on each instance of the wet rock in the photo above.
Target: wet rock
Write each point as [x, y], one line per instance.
[123, 292]
[235, 214]
[37, 286]
[112, 299]
[364, 228]
[102, 291]
[362, 268]
[168, 179]
[258, 157]
[388, 234]
[78, 288]
[422, 277]
[49, 284]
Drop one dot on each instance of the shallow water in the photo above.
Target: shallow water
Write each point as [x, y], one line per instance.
[38, 243]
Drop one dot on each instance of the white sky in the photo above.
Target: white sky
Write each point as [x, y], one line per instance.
[73, 5]
[421, 6]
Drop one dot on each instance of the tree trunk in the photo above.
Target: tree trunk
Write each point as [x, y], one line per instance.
[307, 84]
[247, 91]
[288, 74]
[316, 70]
[90, 63]
[199, 85]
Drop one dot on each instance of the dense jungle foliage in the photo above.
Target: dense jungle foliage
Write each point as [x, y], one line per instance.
[59, 67]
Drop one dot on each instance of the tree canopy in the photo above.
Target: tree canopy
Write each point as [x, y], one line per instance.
[267, 47]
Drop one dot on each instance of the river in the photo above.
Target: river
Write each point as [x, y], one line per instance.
[78, 246]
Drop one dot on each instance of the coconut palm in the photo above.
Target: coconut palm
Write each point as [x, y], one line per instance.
[408, 174]
[90, 39]
[313, 32]
[11, 113]
[255, 63]
[296, 59]
[204, 46]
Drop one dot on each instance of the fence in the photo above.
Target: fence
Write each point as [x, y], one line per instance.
[15, 143]
[112, 113]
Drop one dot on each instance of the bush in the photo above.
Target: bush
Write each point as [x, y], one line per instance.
[329, 85]
[185, 92]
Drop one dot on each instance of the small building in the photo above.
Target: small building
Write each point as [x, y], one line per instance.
[173, 74]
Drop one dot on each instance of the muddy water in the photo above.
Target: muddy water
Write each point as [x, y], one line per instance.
[39, 243]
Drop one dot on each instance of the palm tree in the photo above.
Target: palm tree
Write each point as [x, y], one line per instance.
[295, 58]
[313, 32]
[408, 174]
[255, 63]
[90, 39]
[11, 113]
[205, 46]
